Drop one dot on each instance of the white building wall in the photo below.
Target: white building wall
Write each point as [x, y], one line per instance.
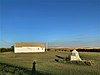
[28, 49]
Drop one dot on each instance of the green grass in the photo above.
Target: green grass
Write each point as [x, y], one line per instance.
[46, 64]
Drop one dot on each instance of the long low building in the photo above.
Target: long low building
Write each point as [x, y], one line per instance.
[26, 47]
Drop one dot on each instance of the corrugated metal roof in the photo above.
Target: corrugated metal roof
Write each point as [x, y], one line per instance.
[28, 44]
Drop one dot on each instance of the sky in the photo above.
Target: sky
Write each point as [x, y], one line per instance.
[58, 22]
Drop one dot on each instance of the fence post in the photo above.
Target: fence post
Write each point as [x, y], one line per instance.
[33, 68]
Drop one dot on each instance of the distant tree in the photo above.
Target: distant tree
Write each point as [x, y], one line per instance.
[7, 49]
[2, 49]
[12, 48]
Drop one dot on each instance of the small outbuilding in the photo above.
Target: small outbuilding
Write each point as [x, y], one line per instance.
[26, 47]
[75, 56]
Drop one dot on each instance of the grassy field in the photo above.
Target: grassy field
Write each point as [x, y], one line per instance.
[46, 64]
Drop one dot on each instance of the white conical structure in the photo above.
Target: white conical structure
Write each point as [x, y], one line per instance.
[75, 56]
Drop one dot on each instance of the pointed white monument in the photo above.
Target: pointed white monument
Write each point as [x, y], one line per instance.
[75, 56]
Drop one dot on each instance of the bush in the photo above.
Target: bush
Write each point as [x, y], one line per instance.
[84, 62]
[89, 62]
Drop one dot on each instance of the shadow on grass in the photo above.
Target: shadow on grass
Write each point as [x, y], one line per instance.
[6, 69]
[59, 57]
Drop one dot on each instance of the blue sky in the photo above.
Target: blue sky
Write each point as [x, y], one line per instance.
[58, 22]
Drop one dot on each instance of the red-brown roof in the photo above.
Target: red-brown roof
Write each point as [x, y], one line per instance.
[28, 44]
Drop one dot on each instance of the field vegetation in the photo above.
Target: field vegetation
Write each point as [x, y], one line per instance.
[21, 64]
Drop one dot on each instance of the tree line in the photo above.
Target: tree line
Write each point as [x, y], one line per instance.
[88, 50]
[52, 49]
[7, 49]
[79, 50]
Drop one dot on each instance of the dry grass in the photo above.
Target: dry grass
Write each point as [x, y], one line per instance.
[45, 62]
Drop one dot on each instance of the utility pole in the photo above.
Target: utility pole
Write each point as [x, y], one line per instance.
[46, 46]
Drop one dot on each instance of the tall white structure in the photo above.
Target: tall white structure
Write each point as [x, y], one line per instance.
[25, 47]
[75, 56]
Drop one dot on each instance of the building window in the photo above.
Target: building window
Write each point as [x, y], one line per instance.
[73, 54]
